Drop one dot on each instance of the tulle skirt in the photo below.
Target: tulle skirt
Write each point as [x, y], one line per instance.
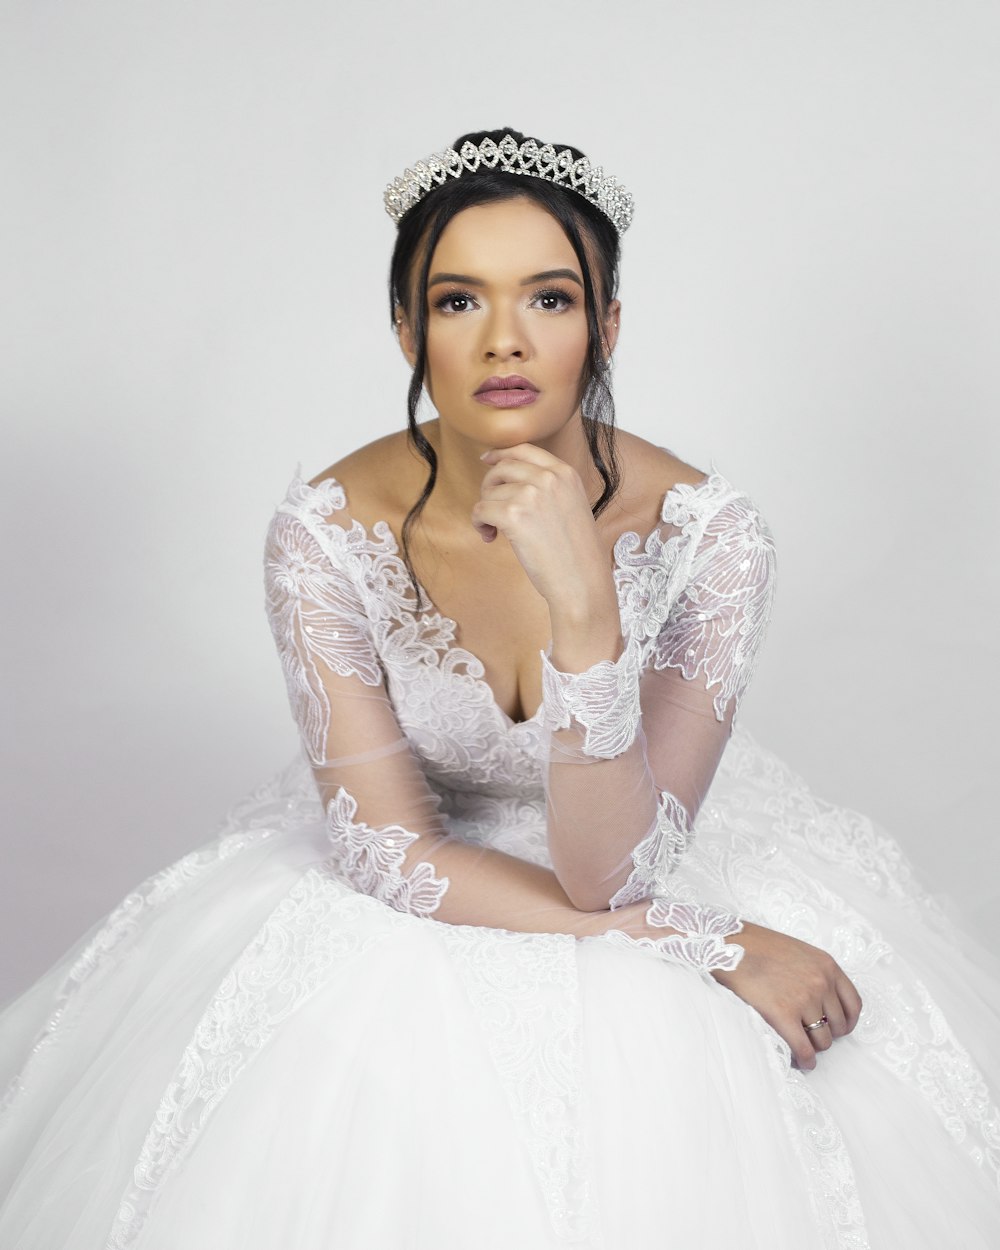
[248, 1054]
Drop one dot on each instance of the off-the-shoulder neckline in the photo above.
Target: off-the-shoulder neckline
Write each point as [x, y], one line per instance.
[678, 490]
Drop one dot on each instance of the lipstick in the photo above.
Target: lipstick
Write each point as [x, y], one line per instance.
[507, 391]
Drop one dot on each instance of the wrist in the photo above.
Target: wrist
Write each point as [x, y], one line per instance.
[700, 936]
[585, 631]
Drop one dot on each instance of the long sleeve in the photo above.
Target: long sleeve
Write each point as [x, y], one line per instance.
[633, 745]
[386, 830]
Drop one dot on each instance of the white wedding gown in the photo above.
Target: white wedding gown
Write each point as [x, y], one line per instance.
[345, 1024]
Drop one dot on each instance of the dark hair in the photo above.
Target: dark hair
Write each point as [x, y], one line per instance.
[419, 231]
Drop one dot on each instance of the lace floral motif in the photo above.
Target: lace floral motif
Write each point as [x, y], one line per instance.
[524, 987]
[315, 928]
[837, 835]
[701, 597]
[316, 618]
[371, 860]
[658, 854]
[833, 1187]
[442, 703]
[763, 877]
[340, 596]
[278, 804]
[602, 701]
[700, 941]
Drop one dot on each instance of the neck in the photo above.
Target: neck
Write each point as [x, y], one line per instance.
[461, 472]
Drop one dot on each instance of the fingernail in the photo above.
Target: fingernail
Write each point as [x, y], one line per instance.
[486, 453]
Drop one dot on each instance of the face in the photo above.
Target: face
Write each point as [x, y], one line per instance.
[505, 304]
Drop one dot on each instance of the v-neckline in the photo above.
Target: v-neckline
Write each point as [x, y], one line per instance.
[454, 626]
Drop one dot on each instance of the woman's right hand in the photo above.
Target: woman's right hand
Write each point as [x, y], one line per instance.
[791, 984]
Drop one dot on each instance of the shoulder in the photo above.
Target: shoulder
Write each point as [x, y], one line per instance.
[658, 486]
[321, 521]
[649, 475]
[379, 481]
[726, 538]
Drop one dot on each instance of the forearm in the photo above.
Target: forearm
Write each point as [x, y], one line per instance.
[598, 811]
[496, 890]
[602, 801]
[436, 875]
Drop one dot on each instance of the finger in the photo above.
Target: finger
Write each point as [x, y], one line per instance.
[803, 1051]
[499, 492]
[819, 1038]
[851, 1000]
[526, 452]
[834, 1011]
[505, 471]
[497, 514]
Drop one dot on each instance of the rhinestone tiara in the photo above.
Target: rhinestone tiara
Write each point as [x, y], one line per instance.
[510, 157]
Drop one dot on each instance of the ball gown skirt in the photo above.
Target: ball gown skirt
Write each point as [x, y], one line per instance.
[248, 1053]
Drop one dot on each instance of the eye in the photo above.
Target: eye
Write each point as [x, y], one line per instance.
[553, 300]
[455, 302]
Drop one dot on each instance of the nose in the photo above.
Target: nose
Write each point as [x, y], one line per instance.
[504, 336]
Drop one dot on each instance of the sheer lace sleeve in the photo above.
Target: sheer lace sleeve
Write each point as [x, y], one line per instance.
[386, 831]
[633, 745]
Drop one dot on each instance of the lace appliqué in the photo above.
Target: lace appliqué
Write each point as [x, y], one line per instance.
[443, 704]
[659, 853]
[371, 860]
[280, 803]
[901, 1023]
[312, 931]
[603, 701]
[316, 619]
[700, 942]
[719, 624]
[525, 990]
[700, 599]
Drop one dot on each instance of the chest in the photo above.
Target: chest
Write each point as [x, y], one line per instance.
[498, 617]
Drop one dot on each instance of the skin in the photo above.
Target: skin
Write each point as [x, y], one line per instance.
[507, 544]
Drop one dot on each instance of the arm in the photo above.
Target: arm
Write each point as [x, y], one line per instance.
[387, 834]
[632, 755]
[630, 758]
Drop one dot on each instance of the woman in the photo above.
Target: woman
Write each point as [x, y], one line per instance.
[465, 974]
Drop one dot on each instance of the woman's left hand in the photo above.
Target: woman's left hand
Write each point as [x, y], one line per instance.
[539, 504]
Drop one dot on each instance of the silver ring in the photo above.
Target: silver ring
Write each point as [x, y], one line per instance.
[819, 1023]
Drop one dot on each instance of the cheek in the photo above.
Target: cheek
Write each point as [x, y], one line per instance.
[441, 359]
[569, 345]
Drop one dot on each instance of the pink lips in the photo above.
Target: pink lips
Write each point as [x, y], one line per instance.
[507, 391]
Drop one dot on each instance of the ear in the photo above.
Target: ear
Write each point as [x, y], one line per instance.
[612, 321]
[407, 344]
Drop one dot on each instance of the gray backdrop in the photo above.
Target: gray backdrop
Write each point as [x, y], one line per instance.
[194, 253]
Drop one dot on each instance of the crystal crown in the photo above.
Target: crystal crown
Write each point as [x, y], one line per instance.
[510, 157]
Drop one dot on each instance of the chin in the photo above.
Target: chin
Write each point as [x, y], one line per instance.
[507, 428]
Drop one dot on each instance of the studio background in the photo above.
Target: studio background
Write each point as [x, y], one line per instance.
[194, 255]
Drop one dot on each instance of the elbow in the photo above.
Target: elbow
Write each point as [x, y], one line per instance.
[587, 896]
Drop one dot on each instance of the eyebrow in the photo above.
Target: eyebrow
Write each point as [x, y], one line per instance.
[468, 280]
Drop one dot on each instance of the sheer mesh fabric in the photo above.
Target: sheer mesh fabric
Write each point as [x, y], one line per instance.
[626, 750]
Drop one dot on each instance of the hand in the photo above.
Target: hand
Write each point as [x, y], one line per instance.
[539, 504]
[791, 984]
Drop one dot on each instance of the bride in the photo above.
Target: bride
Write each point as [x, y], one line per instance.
[534, 945]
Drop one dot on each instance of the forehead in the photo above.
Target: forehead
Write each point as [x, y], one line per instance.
[514, 236]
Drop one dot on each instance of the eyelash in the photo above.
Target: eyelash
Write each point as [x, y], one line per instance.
[567, 298]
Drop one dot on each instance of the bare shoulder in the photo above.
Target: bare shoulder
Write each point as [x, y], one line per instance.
[648, 473]
[656, 466]
[378, 478]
